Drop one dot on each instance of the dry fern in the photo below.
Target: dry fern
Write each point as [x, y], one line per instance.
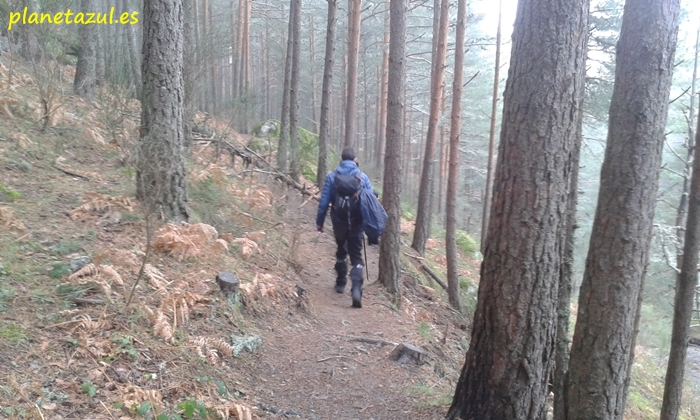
[8, 220]
[161, 325]
[155, 277]
[87, 324]
[134, 396]
[87, 271]
[95, 202]
[112, 274]
[209, 348]
[186, 241]
[248, 247]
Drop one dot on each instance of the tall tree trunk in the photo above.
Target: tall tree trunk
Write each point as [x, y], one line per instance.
[314, 88]
[84, 81]
[189, 69]
[235, 42]
[99, 52]
[389, 249]
[683, 204]
[160, 178]
[609, 302]
[685, 292]
[283, 146]
[492, 135]
[294, 163]
[213, 53]
[424, 213]
[354, 15]
[133, 56]
[245, 67]
[381, 137]
[453, 176]
[324, 129]
[561, 358]
[512, 348]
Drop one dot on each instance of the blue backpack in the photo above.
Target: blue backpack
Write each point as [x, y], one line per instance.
[374, 216]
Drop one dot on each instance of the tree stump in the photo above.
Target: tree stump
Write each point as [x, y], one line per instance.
[405, 353]
[228, 283]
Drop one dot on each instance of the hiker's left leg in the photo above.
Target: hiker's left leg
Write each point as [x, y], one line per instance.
[355, 250]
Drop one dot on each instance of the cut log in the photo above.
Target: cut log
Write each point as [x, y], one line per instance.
[407, 353]
[228, 283]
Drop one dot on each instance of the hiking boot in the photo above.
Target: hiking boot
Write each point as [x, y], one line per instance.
[356, 296]
[356, 277]
[340, 286]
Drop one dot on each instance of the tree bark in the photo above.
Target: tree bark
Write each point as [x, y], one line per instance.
[492, 135]
[685, 292]
[324, 129]
[160, 177]
[683, 204]
[354, 15]
[381, 137]
[133, 56]
[312, 55]
[512, 348]
[389, 261]
[610, 297]
[283, 146]
[235, 41]
[294, 163]
[451, 230]
[84, 82]
[424, 211]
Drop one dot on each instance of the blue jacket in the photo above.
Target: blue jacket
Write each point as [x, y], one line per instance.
[346, 167]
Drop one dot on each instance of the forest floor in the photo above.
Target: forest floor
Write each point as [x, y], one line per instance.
[290, 347]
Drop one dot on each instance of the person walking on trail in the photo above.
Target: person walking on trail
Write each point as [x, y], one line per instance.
[341, 192]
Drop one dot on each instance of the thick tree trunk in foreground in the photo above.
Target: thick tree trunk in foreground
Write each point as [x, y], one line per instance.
[160, 178]
[603, 345]
[324, 129]
[425, 191]
[85, 68]
[390, 246]
[512, 347]
[451, 230]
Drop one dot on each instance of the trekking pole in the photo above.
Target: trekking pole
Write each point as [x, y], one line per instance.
[364, 246]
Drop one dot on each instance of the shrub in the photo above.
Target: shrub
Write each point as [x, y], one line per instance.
[468, 244]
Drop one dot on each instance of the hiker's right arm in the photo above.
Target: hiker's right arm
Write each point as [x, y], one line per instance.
[326, 195]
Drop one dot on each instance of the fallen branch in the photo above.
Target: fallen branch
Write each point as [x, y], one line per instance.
[339, 357]
[434, 276]
[367, 340]
[88, 301]
[67, 172]
[250, 156]
[428, 270]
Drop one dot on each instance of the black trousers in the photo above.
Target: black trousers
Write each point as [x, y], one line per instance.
[349, 241]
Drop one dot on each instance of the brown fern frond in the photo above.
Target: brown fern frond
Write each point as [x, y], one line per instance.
[221, 346]
[10, 221]
[88, 271]
[110, 272]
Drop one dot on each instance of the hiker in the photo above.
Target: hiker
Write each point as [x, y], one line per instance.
[341, 191]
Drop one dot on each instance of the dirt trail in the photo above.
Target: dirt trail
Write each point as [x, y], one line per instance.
[314, 368]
